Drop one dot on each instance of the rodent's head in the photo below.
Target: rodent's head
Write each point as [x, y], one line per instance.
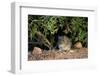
[61, 39]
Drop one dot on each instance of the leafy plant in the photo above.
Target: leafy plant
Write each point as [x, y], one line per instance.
[50, 26]
[79, 26]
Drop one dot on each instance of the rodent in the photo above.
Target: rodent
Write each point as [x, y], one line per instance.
[64, 43]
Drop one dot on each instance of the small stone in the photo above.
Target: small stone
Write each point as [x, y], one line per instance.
[78, 45]
[37, 51]
[71, 51]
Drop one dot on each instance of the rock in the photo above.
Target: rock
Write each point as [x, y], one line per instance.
[71, 51]
[37, 51]
[78, 45]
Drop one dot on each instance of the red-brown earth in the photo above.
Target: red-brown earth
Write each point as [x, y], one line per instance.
[55, 54]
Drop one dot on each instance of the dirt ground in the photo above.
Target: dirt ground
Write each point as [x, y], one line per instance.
[54, 55]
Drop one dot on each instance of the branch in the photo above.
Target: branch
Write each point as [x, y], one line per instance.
[43, 39]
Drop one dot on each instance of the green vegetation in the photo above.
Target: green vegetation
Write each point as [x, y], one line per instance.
[44, 29]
